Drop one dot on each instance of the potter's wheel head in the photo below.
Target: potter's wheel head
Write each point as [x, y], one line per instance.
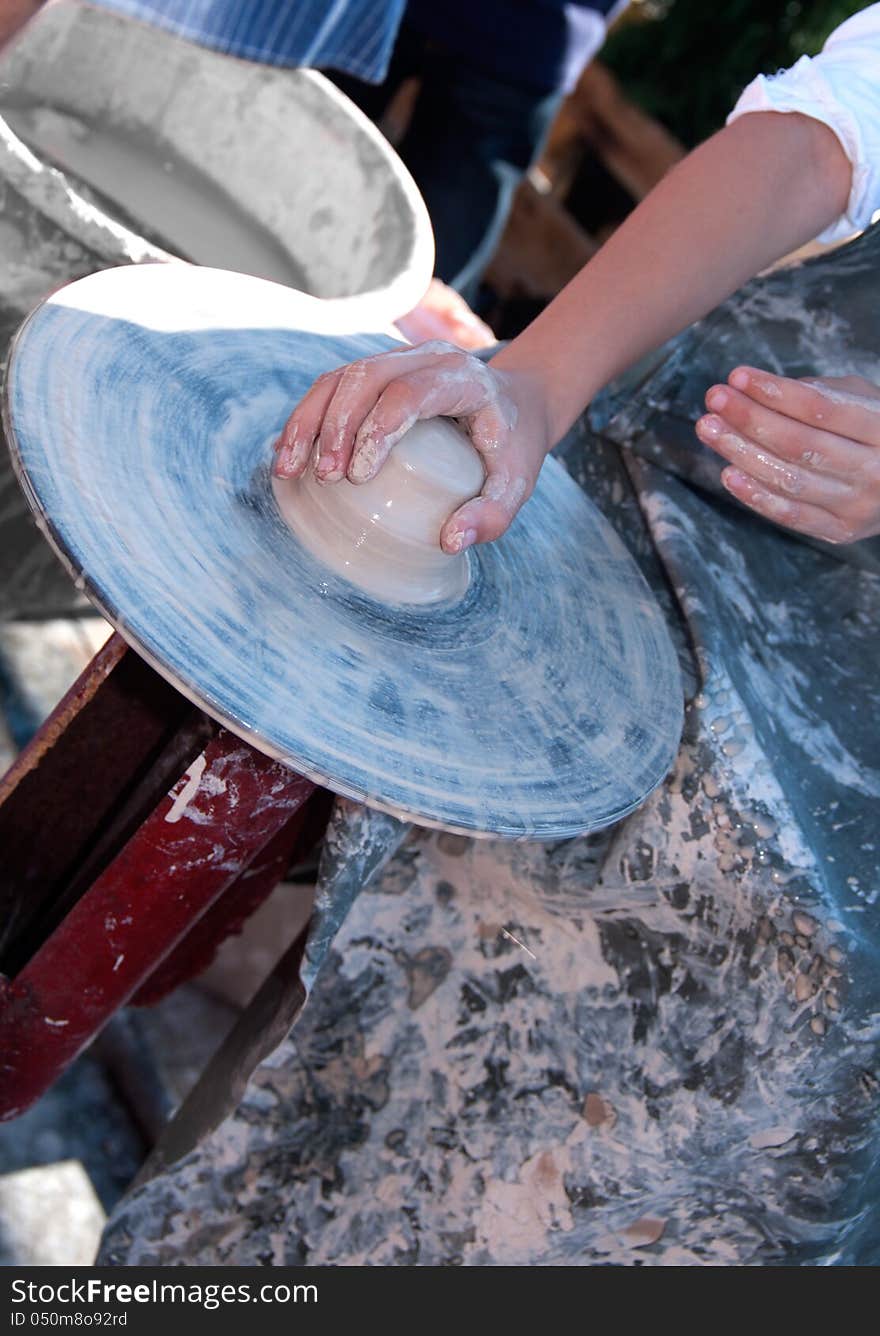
[142, 406]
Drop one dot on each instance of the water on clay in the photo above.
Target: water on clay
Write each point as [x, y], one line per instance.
[173, 203]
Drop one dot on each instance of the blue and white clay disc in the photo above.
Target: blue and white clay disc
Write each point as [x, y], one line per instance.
[142, 407]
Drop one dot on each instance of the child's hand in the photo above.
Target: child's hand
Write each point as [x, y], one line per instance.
[805, 453]
[348, 422]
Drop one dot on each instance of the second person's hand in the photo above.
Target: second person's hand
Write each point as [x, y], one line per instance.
[805, 453]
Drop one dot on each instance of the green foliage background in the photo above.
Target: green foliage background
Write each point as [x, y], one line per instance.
[687, 61]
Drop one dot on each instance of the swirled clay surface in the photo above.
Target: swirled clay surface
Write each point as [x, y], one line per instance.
[143, 403]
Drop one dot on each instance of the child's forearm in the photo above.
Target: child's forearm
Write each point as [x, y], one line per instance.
[759, 188]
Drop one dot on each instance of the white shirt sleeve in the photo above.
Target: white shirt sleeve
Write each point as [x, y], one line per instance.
[840, 87]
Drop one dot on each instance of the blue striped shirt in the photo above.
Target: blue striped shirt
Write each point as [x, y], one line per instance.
[353, 35]
[545, 43]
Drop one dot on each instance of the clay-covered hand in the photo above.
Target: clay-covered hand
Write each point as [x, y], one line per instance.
[351, 418]
[805, 453]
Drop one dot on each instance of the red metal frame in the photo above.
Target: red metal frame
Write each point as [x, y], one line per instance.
[140, 834]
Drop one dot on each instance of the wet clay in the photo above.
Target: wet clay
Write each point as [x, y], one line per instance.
[384, 535]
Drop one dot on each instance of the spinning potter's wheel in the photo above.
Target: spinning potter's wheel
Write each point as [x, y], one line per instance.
[535, 695]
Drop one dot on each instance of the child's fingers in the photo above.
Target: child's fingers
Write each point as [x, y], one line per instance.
[799, 515]
[404, 401]
[484, 518]
[846, 406]
[820, 489]
[334, 407]
[358, 390]
[852, 503]
[456, 385]
[510, 481]
[293, 448]
[478, 521]
[354, 416]
[790, 439]
[852, 387]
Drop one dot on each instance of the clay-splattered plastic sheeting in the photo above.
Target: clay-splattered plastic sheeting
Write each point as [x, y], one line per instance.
[143, 406]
